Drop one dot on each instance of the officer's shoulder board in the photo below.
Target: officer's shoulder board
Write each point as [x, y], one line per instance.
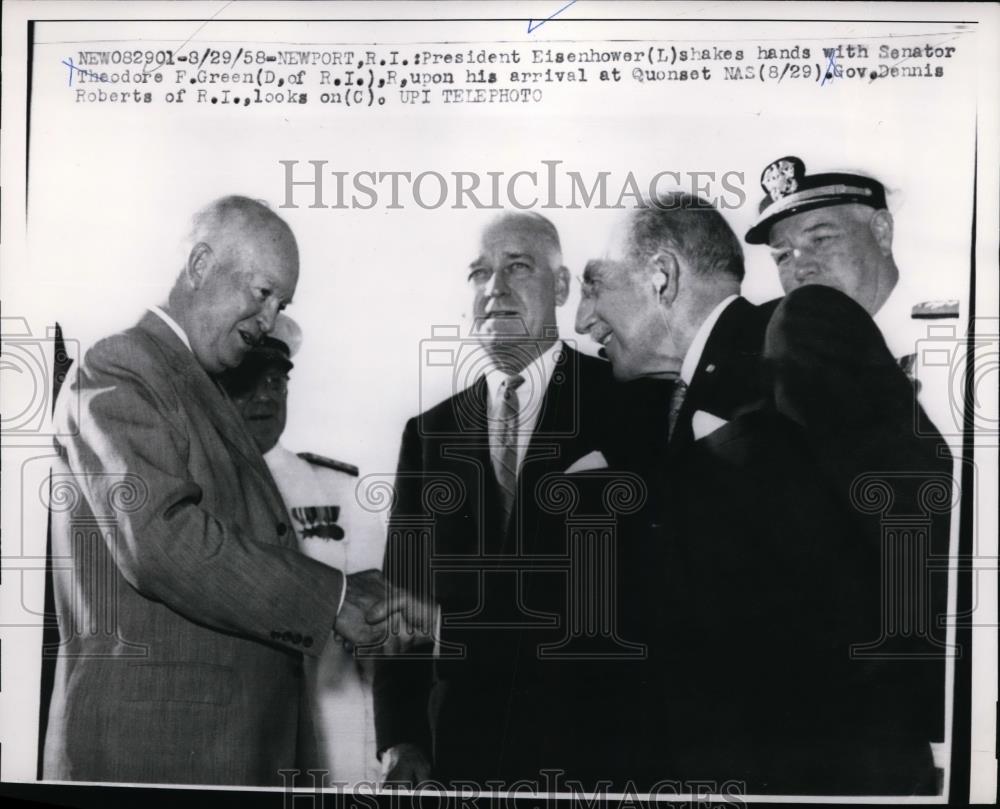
[935, 310]
[329, 463]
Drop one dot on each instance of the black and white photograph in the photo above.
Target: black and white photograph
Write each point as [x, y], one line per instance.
[590, 402]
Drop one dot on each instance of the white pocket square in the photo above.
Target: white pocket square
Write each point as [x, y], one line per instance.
[703, 423]
[594, 460]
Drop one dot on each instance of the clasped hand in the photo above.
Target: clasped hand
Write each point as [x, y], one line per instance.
[376, 613]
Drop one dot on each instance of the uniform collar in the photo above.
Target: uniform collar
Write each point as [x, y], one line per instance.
[278, 452]
[891, 317]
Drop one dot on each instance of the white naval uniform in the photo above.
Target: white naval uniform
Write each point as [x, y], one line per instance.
[339, 687]
[932, 344]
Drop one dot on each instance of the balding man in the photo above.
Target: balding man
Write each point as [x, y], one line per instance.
[466, 511]
[185, 606]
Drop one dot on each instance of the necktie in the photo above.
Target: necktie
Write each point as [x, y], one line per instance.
[504, 449]
[676, 403]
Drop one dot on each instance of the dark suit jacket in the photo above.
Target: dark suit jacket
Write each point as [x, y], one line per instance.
[785, 661]
[444, 540]
[184, 604]
[596, 714]
[729, 376]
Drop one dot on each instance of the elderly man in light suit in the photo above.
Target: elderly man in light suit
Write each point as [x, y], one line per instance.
[186, 607]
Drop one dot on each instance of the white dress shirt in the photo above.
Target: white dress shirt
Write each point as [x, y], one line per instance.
[173, 324]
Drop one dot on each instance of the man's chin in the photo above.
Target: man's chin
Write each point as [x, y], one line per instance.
[264, 437]
[235, 357]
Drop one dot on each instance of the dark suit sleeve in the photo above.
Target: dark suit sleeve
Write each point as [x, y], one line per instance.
[402, 684]
[831, 367]
[835, 376]
[130, 430]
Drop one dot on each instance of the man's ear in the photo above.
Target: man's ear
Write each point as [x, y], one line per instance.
[881, 228]
[562, 285]
[665, 270]
[199, 262]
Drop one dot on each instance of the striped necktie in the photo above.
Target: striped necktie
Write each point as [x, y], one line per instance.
[503, 449]
[676, 403]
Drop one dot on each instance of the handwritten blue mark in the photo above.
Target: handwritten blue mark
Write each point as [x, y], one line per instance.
[72, 67]
[532, 25]
[829, 69]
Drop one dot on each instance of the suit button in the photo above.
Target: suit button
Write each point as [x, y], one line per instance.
[282, 529]
[297, 637]
[307, 641]
[286, 636]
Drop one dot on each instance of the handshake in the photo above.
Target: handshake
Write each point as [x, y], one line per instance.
[377, 614]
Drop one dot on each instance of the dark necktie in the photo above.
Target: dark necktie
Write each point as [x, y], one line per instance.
[504, 447]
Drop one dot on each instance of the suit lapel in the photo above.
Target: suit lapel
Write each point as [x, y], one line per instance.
[470, 450]
[555, 416]
[728, 374]
[548, 446]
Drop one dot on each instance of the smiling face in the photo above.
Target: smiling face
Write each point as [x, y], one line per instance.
[620, 309]
[240, 282]
[846, 247]
[515, 286]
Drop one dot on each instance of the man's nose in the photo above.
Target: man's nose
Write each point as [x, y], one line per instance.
[497, 285]
[584, 316]
[803, 264]
[268, 315]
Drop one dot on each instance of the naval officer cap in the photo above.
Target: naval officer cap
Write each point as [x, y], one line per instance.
[791, 191]
[278, 347]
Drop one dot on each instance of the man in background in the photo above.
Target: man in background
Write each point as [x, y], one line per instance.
[187, 607]
[835, 229]
[332, 528]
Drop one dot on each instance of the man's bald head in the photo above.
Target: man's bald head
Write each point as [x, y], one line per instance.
[235, 223]
[540, 229]
[242, 268]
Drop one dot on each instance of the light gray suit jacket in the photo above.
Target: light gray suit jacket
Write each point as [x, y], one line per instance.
[184, 605]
